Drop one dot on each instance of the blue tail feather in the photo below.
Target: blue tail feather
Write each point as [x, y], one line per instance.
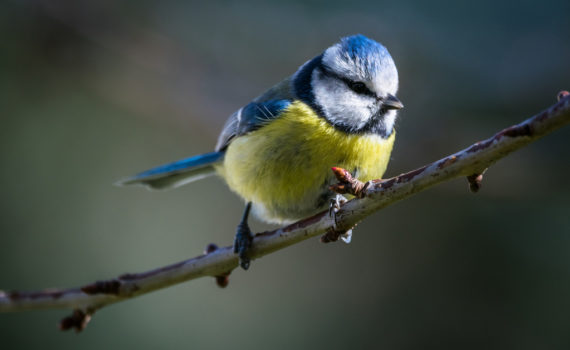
[177, 173]
[182, 165]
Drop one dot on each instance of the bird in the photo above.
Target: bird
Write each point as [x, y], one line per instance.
[337, 110]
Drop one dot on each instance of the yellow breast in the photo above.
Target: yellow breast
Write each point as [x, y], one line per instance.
[283, 168]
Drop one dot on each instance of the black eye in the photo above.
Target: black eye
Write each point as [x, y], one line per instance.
[358, 87]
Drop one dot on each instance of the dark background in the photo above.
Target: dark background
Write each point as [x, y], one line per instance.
[92, 91]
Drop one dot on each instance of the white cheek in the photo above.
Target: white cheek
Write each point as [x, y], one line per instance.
[341, 105]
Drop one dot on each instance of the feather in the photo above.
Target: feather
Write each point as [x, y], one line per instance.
[177, 173]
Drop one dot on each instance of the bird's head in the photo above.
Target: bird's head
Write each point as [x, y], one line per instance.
[353, 85]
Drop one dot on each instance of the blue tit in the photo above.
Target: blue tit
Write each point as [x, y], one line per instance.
[337, 109]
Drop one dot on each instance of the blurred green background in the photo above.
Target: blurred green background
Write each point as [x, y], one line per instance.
[92, 91]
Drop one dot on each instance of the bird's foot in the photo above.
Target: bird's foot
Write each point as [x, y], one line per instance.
[242, 243]
[334, 234]
[243, 239]
[334, 206]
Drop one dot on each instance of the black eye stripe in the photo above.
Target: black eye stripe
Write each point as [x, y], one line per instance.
[356, 86]
[359, 87]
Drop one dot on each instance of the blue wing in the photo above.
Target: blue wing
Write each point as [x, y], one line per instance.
[255, 115]
[262, 110]
[249, 118]
[177, 173]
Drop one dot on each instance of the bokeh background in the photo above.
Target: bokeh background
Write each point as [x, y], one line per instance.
[92, 91]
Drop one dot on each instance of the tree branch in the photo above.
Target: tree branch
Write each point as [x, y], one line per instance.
[370, 197]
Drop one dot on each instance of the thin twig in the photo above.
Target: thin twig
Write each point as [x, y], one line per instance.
[219, 262]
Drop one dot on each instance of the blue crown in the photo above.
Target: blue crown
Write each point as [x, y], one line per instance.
[367, 51]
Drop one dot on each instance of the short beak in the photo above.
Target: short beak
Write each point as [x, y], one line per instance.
[392, 102]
